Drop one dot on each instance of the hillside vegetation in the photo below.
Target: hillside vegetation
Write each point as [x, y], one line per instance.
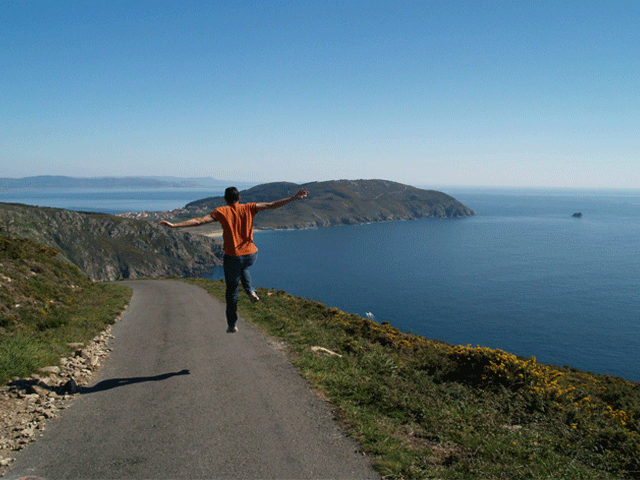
[426, 409]
[46, 303]
[342, 202]
[106, 247]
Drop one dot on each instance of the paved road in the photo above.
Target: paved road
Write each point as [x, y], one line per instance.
[180, 398]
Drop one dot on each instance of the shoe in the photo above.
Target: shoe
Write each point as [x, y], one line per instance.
[232, 329]
[253, 296]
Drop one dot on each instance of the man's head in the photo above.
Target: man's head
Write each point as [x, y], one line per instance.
[231, 195]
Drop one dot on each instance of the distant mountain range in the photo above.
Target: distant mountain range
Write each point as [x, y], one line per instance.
[55, 181]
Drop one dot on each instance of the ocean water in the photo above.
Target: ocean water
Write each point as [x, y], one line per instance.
[522, 275]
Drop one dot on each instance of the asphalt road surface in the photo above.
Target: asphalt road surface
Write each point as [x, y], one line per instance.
[181, 398]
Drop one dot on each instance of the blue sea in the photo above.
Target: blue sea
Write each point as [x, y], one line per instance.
[522, 275]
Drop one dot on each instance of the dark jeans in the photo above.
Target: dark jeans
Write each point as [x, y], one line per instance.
[236, 270]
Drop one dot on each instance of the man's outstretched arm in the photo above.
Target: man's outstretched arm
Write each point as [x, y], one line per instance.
[194, 222]
[282, 202]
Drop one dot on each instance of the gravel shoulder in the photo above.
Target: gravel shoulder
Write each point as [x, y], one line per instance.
[28, 404]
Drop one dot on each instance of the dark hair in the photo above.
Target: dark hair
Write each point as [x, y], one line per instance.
[231, 195]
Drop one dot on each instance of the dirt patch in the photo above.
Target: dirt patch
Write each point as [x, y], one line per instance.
[437, 452]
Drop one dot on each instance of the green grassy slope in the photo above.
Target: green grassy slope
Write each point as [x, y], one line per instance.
[425, 409]
[46, 303]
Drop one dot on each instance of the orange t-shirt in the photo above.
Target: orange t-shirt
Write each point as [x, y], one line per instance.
[237, 228]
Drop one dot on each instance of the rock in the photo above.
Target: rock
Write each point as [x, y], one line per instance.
[94, 362]
[83, 353]
[28, 432]
[53, 380]
[40, 390]
[52, 369]
[325, 351]
[70, 387]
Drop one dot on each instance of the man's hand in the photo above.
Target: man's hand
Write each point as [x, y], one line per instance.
[301, 194]
[280, 203]
[194, 222]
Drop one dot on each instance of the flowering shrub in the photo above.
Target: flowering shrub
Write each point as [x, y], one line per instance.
[482, 366]
[596, 424]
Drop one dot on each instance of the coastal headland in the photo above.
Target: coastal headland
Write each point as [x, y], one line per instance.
[331, 203]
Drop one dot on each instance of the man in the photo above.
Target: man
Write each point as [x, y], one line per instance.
[239, 250]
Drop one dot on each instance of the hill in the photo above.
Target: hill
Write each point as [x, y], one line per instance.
[63, 182]
[58, 181]
[342, 202]
[46, 302]
[106, 247]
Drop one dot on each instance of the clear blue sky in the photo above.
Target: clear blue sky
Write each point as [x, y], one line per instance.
[457, 93]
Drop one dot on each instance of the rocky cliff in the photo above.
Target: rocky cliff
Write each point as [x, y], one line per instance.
[107, 248]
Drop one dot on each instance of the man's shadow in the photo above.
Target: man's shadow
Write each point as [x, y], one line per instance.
[121, 382]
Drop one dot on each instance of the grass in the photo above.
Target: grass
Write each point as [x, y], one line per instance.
[46, 303]
[425, 409]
